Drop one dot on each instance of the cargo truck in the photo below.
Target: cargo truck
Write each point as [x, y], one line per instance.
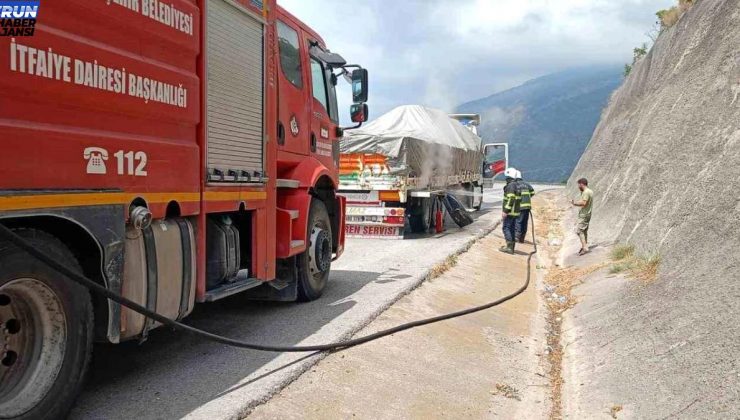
[175, 153]
[394, 170]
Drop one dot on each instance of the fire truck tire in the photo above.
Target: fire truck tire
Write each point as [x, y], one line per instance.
[420, 215]
[314, 264]
[46, 330]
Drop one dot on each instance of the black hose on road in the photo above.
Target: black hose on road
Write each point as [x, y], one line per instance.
[10, 236]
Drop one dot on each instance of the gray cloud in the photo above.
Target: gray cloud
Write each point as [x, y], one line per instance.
[442, 53]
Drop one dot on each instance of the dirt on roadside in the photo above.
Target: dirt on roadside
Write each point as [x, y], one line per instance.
[549, 211]
[484, 365]
[558, 283]
[504, 362]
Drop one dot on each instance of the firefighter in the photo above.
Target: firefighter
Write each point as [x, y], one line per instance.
[522, 222]
[510, 213]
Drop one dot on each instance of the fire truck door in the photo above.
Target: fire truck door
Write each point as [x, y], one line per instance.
[323, 140]
[293, 114]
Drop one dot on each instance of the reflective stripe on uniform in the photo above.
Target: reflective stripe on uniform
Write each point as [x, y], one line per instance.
[510, 204]
[509, 201]
[526, 200]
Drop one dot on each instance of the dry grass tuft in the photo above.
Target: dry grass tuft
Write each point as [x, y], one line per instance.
[507, 391]
[621, 252]
[442, 267]
[620, 267]
[643, 268]
[647, 268]
[671, 16]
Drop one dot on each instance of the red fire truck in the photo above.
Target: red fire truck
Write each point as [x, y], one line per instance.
[175, 152]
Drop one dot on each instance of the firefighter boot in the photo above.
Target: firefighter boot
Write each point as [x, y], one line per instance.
[509, 248]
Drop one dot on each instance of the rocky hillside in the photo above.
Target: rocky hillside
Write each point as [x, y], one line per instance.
[664, 163]
[548, 121]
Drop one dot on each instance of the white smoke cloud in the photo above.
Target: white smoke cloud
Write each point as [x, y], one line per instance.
[442, 53]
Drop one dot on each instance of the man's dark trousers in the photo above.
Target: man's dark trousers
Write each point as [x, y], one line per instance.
[510, 228]
[522, 225]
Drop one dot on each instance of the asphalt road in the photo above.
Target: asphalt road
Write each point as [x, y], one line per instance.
[174, 375]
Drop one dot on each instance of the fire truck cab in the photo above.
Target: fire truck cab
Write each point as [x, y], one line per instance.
[175, 153]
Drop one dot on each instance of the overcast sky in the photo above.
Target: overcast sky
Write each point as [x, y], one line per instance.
[444, 53]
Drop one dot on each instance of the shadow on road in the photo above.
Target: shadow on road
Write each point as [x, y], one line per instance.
[179, 372]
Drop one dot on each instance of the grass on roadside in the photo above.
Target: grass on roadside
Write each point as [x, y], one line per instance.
[647, 268]
[444, 266]
[621, 252]
[641, 267]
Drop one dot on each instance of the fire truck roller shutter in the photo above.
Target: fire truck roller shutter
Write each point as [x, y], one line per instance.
[235, 88]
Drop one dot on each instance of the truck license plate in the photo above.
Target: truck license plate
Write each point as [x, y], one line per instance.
[362, 197]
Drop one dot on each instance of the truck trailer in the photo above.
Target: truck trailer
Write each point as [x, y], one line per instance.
[175, 153]
[394, 170]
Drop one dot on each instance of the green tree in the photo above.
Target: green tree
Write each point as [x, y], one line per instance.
[639, 52]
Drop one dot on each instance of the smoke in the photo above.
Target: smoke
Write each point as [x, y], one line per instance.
[438, 164]
[439, 92]
[498, 122]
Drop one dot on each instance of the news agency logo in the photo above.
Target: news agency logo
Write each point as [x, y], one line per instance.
[18, 18]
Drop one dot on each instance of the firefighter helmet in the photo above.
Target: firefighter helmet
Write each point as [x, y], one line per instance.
[510, 173]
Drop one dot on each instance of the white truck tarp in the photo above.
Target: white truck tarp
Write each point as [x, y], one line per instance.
[419, 142]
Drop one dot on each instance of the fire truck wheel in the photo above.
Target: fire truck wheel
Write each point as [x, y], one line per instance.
[420, 215]
[315, 263]
[46, 331]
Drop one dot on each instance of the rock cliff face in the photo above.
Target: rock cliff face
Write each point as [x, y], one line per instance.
[664, 163]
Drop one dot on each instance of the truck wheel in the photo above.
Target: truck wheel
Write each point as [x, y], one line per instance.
[420, 215]
[46, 329]
[315, 263]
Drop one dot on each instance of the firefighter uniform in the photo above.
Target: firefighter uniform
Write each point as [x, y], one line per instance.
[522, 222]
[511, 208]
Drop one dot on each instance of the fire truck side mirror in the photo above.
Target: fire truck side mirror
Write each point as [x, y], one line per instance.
[360, 113]
[359, 86]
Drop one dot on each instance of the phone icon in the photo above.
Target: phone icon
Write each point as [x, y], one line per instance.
[96, 157]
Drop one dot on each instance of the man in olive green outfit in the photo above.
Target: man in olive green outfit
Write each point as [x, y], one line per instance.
[584, 215]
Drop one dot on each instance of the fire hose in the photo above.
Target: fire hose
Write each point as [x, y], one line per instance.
[7, 234]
